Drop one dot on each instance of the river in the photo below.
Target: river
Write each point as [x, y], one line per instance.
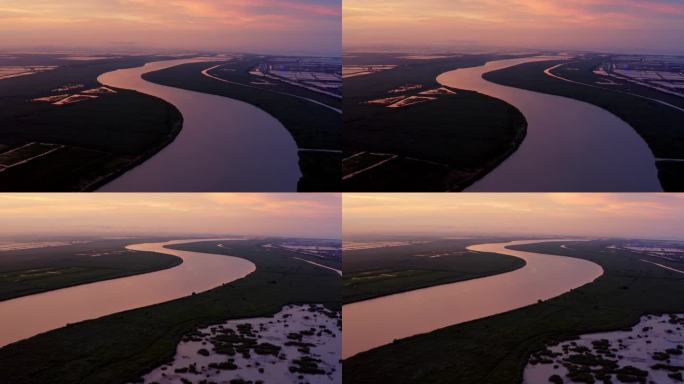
[571, 146]
[28, 316]
[225, 144]
[372, 323]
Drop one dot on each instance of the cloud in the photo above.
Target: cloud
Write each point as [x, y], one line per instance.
[199, 24]
[642, 215]
[559, 24]
[242, 213]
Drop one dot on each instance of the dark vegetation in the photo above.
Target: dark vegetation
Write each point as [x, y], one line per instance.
[496, 349]
[442, 145]
[121, 347]
[29, 271]
[600, 360]
[370, 273]
[659, 125]
[246, 340]
[102, 138]
[312, 126]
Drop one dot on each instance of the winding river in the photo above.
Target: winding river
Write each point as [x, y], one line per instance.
[225, 144]
[372, 323]
[28, 316]
[571, 146]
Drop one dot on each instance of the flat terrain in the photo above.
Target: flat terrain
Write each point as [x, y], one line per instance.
[122, 347]
[29, 271]
[91, 139]
[658, 124]
[405, 132]
[370, 273]
[496, 349]
[313, 126]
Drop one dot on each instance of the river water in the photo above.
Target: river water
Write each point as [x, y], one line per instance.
[372, 323]
[28, 316]
[225, 145]
[571, 146]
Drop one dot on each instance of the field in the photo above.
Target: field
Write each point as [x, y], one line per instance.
[313, 127]
[405, 132]
[659, 125]
[29, 271]
[370, 273]
[496, 349]
[96, 136]
[122, 347]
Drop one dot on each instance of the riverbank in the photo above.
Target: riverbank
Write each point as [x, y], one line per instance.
[222, 146]
[579, 147]
[28, 316]
[543, 277]
[137, 341]
[657, 124]
[29, 271]
[316, 129]
[406, 132]
[78, 146]
[496, 349]
[377, 272]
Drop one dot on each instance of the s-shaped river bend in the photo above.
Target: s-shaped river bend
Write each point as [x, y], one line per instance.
[372, 323]
[225, 144]
[571, 146]
[31, 315]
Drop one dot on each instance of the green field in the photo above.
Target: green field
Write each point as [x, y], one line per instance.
[441, 145]
[495, 349]
[25, 272]
[659, 125]
[312, 126]
[378, 272]
[121, 347]
[99, 138]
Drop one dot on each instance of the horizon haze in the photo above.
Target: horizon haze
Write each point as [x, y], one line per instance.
[654, 216]
[249, 214]
[255, 26]
[615, 26]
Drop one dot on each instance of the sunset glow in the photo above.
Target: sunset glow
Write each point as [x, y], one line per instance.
[613, 25]
[315, 215]
[254, 25]
[659, 216]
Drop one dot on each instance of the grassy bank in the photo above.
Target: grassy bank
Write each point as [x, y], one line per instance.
[99, 139]
[659, 125]
[378, 272]
[495, 349]
[440, 145]
[312, 126]
[121, 347]
[25, 272]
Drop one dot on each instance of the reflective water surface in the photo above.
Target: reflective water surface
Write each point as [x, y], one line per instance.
[30, 315]
[371, 323]
[225, 145]
[570, 145]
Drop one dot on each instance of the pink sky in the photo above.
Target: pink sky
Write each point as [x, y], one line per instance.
[317, 215]
[615, 25]
[649, 215]
[246, 25]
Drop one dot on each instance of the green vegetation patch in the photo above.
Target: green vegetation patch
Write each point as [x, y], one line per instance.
[496, 349]
[120, 348]
[25, 272]
[370, 273]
